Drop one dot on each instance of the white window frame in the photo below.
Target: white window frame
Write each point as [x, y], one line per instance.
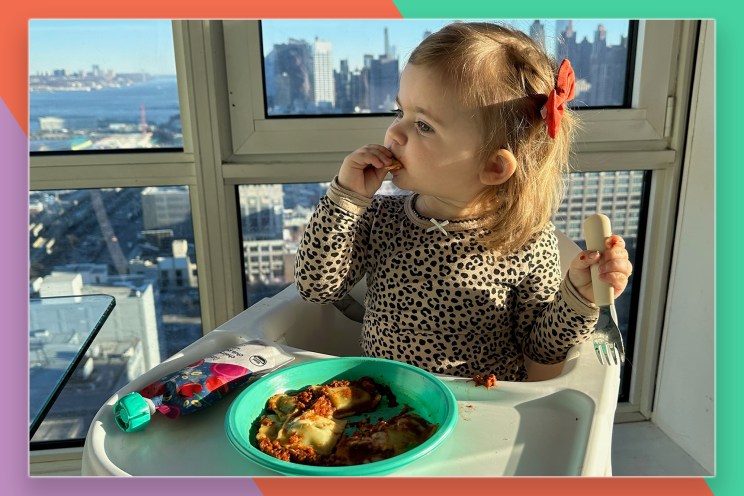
[228, 142]
[254, 134]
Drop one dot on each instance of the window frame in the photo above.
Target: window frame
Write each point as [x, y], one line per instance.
[228, 142]
[253, 133]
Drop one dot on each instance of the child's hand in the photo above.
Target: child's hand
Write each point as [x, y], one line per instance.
[364, 169]
[614, 268]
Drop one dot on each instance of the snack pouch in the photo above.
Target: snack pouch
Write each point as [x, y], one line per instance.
[200, 384]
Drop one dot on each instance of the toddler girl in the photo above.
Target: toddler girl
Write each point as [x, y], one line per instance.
[463, 274]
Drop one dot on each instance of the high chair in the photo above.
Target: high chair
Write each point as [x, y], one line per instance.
[559, 425]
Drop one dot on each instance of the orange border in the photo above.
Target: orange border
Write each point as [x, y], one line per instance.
[566, 486]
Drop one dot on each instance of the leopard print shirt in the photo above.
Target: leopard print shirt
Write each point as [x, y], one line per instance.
[441, 300]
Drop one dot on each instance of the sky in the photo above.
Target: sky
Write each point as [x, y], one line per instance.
[147, 45]
[121, 45]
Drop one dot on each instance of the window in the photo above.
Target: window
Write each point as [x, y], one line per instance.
[103, 85]
[325, 67]
[255, 133]
[620, 211]
[235, 152]
[121, 242]
[95, 210]
[273, 218]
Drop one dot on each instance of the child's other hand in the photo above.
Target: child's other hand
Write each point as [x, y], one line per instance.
[363, 170]
[614, 268]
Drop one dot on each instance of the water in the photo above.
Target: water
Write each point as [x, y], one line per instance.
[85, 109]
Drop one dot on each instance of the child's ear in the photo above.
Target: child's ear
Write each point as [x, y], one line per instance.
[499, 167]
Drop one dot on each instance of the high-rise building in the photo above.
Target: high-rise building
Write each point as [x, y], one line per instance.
[265, 262]
[91, 273]
[342, 79]
[177, 271]
[359, 90]
[383, 84]
[289, 77]
[261, 210]
[617, 194]
[563, 26]
[61, 284]
[325, 95]
[537, 32]
[167, 207]
[600, 68]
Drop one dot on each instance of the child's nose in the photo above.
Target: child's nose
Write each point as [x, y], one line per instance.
[396, 133]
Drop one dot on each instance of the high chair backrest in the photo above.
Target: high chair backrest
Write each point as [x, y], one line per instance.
[567, 249]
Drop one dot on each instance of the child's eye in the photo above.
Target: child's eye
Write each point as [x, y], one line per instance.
[423, 127]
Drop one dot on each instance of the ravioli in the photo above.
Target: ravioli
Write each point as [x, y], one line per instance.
[308, 426]
[351, 400]
[283, 405]
[310, 430]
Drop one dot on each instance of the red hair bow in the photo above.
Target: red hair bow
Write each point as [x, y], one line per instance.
[563, 92]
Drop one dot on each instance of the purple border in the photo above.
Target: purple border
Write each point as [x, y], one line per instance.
[14, 254]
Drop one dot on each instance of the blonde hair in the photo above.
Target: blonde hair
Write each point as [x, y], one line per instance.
[505, 77]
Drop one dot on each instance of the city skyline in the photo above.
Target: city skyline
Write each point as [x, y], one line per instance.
[306, 78]
[131, 46]
[301, 78]
[405, 34]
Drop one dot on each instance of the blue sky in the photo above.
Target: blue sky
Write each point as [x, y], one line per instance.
[147, 45]
[122, 45]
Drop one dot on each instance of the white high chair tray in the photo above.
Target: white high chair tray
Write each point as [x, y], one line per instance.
[562, 426]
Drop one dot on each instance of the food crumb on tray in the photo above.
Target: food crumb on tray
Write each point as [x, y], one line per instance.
[488, 382]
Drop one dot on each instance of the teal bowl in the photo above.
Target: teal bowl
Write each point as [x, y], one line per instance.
[428, 396]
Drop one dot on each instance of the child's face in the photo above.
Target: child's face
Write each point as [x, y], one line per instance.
[435, 138]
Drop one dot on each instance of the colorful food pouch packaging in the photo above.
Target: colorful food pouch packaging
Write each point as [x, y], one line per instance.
[200, 384]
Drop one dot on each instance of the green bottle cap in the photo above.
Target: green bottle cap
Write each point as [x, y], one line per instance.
[132, 412]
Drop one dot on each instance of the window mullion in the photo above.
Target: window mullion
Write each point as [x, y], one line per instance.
[64, 176]
[215, 217]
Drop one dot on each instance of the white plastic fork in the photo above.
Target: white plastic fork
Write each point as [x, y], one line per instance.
[608, 342]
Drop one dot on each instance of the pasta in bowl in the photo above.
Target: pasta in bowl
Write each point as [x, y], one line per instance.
[341, 416]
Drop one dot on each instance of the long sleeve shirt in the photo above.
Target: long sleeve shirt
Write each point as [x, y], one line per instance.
[437, 297]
